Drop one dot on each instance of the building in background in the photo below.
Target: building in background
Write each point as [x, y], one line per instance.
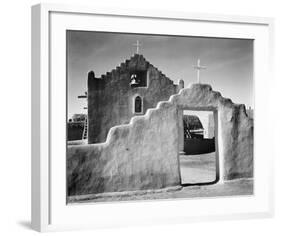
[129, 90]
[75, 127]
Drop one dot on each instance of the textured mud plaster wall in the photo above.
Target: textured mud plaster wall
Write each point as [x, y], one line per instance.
[144, 153]
[140, 155]
[111, 97]
[235, 131]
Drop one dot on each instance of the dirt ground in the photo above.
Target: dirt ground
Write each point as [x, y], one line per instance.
[230, 188]
[198, 168]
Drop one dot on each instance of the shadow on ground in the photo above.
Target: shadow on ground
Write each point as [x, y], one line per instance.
[25, 224]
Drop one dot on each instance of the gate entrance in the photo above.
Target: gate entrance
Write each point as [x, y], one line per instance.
[198, 156]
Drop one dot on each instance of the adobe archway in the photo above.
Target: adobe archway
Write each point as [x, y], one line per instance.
[235, 129]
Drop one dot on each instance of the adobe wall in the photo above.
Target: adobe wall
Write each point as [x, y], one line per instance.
[137, 156]
[144, 153]
[235, 131]
[110, 98]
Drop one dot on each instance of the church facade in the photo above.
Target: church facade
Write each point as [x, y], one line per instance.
[127, 91]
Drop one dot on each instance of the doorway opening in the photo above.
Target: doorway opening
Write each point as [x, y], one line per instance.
[198, 152]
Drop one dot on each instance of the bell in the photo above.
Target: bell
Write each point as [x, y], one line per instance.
[133, 82]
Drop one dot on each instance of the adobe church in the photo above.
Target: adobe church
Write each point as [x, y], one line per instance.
[135, 126]
[127, 91]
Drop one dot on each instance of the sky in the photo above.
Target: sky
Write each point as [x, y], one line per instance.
[229, 62]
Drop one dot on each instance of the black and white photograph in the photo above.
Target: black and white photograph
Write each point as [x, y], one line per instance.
[158, 117]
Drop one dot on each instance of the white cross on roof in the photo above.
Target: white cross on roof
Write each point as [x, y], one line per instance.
[137, 46]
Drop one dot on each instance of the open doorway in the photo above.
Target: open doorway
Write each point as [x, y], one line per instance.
[198, 154]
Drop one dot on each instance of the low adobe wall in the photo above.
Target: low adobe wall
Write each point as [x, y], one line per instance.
[140, 155]
[144, 153]
[199, 146]
[75, 131]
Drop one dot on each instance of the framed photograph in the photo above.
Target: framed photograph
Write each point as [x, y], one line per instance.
[142, 117]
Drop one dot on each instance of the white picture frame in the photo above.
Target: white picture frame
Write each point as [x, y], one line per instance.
[49, 209]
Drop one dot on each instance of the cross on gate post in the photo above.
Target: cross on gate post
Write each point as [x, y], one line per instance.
[198, 67]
